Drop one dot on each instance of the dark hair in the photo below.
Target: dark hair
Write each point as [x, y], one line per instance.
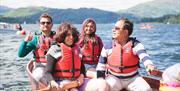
[62, 31]
[127, 25]
[45, 15]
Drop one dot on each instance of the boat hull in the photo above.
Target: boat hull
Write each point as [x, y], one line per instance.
[34, 84]
[154, 83]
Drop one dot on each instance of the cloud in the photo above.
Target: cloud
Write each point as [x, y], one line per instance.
[111, 5]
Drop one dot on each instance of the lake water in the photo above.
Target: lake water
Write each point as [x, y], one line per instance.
[162, 43]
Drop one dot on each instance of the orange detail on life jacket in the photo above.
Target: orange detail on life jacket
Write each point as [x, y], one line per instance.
[122, 59]
[91, 52]
[42, 48]
[68, 65]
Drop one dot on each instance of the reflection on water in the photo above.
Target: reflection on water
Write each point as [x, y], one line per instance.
[162, 43]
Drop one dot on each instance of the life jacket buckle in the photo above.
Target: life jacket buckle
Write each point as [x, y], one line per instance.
[72, 70]
[121, 67]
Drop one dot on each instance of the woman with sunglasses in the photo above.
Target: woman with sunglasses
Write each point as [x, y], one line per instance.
[39, 43]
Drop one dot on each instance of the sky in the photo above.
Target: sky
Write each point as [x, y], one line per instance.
[110, 5]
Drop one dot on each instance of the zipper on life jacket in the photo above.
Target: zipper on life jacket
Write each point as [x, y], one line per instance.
[93, 53]
[73, 68]
[121, 61]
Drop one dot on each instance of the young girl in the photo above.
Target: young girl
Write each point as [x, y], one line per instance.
[91, 46]
[63, 60]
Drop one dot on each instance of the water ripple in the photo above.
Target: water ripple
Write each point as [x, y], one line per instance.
[162, 44]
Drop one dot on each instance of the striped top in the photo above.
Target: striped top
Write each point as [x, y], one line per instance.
[138, 50]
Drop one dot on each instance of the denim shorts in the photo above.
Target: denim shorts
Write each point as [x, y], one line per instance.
[88, 66]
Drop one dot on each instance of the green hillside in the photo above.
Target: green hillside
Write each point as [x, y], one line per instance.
[169, 19]
[156, 8]
[31, 15]
[22, 12]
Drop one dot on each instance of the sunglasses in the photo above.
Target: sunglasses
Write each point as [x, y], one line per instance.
[117, 28]
[43, 23]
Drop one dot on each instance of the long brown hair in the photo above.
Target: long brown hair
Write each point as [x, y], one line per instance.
[62, 31]
[84, 39]
[85, 22]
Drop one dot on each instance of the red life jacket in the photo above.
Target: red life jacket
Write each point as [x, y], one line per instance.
[122, 59]
[91, 52]
[43, 46]
[69, 64]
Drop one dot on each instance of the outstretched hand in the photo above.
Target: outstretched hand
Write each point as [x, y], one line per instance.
[150, 68]
[18, 27]
[55, 86]
[28, 37]
[69, 85]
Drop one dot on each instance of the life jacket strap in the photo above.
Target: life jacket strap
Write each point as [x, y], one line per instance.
[40, 57]
[72, 70]
[124, 77]
[64, 78]
[89, 56]
[124, 67]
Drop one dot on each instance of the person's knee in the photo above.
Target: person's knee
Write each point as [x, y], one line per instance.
[97, 85]
[91, 73]
[101, 85]
[143, 88]
[101, 82]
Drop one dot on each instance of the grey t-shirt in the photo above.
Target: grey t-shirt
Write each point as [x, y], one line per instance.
[54, 51]
[52, 55]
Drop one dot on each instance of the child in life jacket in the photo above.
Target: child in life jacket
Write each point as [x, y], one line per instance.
[64, 64]
[91, 46]
[63, 59]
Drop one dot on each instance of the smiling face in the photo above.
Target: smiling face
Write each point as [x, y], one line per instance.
[66, 34]
[89, 28]
[69, 39]
[118, 31]
[45, 25]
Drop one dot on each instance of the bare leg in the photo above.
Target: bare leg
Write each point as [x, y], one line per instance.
[91, 73]
[97, 85]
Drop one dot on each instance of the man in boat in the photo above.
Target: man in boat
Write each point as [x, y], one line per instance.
[64, 64]
[91, 46]
[39, 43]
[119, 60]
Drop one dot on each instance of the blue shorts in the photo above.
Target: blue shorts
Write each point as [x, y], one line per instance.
[88, 66]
